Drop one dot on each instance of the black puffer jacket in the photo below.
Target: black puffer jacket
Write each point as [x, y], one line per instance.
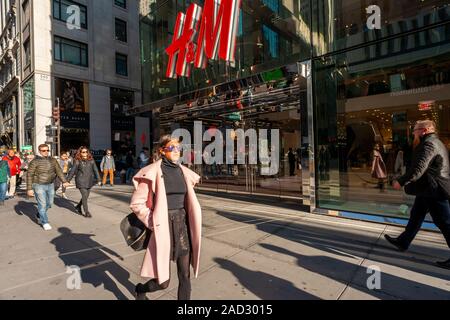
[429, 173]
[85, 171]
[43, 170]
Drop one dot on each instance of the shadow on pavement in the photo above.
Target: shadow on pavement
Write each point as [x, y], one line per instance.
[264, 285]
[342, 243]
[66, 204]
[333, 268]
[84, 251]
[258, 199]
[28, 209]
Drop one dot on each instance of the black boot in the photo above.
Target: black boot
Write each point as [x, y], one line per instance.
[78, 207]
[444, 264]
[138, 292]
[396, 243]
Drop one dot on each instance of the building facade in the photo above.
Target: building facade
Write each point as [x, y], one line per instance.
[81, 57]
[334, 80]
[9, 74]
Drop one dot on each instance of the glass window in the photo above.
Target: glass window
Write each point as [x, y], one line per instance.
[342, 24]
[121, 3]
[364, 122]
[271, 33]
[70, 51]
[26, 12]
[61, 11]
[121, 30]
[27, 52]
[121, 64]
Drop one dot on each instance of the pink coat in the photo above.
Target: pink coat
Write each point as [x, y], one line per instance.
[149, 181]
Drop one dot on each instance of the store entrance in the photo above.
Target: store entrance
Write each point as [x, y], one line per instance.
[268, 102]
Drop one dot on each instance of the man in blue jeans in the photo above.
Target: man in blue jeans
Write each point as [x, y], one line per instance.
[41, 174]
[428, 178]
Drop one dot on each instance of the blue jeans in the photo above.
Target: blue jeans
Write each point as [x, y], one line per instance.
[3, 187]
[130, 173]
[45, 194]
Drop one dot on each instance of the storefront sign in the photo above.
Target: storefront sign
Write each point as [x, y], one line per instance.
[426, 105]
[122, 123]
[77, 120]
[218, 24]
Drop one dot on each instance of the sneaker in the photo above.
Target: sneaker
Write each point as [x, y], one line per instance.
[444, 264]
[88, 215]
[395, 242]
[47, 227]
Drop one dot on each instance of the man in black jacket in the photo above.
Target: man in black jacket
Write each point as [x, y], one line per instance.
[41, 174]
[428, 178]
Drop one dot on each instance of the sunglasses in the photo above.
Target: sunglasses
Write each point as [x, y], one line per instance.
[173, 148]
[46, 150]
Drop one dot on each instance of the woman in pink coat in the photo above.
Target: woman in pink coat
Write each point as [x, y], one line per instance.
[165, 201]
[378, 167]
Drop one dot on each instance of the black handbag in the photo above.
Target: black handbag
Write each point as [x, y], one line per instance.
[136, 234]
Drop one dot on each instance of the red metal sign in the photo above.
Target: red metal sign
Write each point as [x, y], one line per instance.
[218, 24]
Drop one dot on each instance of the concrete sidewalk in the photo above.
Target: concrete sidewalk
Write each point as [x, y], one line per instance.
[250, 251]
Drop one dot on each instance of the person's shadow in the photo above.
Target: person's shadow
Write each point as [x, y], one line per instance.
[264, 285]
[341, 271]
[28, 209]
[77, 249]
[66, 204]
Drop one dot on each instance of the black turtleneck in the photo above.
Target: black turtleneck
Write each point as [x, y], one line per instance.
[174, 184]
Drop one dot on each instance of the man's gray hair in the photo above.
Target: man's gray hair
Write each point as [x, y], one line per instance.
[426, 124]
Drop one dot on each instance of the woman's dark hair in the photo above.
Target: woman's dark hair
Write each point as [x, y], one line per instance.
[166, 139]
[78, 154]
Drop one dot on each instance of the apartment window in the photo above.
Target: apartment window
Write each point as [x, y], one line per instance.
[121, 3]
[70, 51]
[61, 11]
[121, 64]
[121, 30]
[27, 52]
[26, 12]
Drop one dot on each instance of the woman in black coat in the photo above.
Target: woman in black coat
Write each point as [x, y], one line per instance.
[85, 171]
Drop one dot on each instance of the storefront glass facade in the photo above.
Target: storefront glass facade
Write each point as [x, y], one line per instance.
[122, 127]
[374, 97]
[370, 80]
[271, 33]
[73, 99]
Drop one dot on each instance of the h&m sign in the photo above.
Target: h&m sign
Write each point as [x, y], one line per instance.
[215, 27]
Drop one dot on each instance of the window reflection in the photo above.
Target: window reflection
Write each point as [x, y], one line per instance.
[342, 24]
[271, 33]
[371, 113]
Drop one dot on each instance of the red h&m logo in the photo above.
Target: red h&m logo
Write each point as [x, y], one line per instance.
[218, 23]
